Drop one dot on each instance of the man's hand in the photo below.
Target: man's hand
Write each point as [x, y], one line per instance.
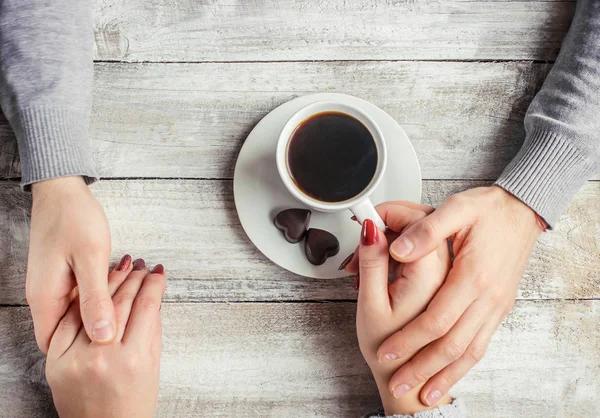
[69, 246]
[493, 234]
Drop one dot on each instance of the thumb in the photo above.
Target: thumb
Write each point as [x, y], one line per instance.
[373, 267]
[427, 234]
[97, 309]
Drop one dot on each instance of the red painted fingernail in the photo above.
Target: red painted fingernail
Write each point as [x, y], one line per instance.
[158, 269]
[124, 263]
[357, 282]
[346, 261]
[369, 233]
[139, 264]
[355, 219]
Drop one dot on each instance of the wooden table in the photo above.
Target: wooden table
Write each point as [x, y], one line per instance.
[179, 85]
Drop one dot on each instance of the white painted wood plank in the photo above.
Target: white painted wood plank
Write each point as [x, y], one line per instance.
[192, 228]
[274, 360]
[271, 30]
[190, 120]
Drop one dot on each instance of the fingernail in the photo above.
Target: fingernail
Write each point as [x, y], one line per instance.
[124, 263]
[103, 331]
[433, 397]
[369, 233]
[357, 282]
[139, 264]
[346, 261]
[386, 358]
[158, 269]
[401, 390]
[402, 247]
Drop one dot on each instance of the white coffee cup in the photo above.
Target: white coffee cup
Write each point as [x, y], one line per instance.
[359, 205]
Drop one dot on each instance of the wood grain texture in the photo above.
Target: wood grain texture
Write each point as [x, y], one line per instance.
[465, 119]
[23, 388]
[9, 154]
[280, 360]
[192, 228]
[271, 30]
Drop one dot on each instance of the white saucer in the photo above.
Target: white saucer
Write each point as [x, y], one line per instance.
[260, 194]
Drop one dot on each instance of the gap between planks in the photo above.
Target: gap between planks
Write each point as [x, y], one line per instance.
[18, 179]
[306, 302]
[272, 61]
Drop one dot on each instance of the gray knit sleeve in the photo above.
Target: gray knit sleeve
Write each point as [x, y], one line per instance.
[562, 144]
[456, 409]
[46, 72]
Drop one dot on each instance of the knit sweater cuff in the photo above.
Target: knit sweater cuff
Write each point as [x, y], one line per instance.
[54, 142]
[456, 409]
[546, 173]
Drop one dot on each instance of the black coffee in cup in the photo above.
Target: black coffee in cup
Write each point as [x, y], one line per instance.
[332, 157]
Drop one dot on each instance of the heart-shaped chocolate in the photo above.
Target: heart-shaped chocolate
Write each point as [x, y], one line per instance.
[320, 245]
[293, 223]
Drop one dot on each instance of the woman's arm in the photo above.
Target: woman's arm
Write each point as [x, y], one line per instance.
[46, 72]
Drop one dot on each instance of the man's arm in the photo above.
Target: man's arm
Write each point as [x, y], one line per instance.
[46, 71]
[562, 147]
[492, 231]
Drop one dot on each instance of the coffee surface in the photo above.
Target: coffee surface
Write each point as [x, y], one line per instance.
[332, 157]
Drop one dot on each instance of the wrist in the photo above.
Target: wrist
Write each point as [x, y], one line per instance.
[57, 186]
[522, 213]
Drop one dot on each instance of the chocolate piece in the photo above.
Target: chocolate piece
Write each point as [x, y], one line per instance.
[293, 223]
[320, 245]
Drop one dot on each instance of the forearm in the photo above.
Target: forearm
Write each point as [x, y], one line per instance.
[46, 72]
[562, 145]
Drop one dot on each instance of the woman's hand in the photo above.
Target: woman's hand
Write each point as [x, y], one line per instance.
[493, 234]
[69, 246]
[385, 308]
[120, 379]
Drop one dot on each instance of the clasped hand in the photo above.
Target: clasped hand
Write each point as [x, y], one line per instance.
[120, 379]
[492, 234]
[101, 331]
[393, 294]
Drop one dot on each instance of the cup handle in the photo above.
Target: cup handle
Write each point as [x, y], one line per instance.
[365, 210]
